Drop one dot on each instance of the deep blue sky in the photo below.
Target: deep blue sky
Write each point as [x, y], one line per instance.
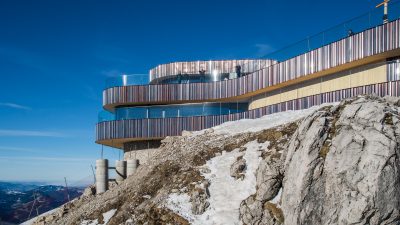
[55, 56]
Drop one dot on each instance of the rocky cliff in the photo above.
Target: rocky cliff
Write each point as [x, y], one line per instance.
[337, 164]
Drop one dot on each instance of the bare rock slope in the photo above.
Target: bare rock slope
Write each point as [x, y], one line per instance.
[338, 164]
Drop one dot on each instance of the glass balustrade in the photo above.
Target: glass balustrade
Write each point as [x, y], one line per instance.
[194, 78]
[105, 116]
[126, 80]
[361, 23]
[166, 111]
[143, 79]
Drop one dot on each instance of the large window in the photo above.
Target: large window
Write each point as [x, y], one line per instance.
[187, 110]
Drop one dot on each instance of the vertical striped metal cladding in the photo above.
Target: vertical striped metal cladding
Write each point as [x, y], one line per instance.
[159, 128]
[367, 43]
[393, 70]
[222, 66]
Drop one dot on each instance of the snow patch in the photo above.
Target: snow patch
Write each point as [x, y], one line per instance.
[277, 198]
[12, 192]
[180, 204]
[265, 122]
[226, 193]
[106, 218]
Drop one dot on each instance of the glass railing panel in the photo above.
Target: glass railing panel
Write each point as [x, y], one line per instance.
[393, 11]
[316, 41]
[131, 113]
[156, 112]
[226, 108]
[291, 50]
[230, 108]
[241, 107]
[360, 24]
[105, 116]
[366, 21]
[186, 79]
[211, 109]
[334, 34]
[191, 110]
[126, 80]
[171, 111]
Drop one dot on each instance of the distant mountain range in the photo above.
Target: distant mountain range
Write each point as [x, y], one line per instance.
[17, 200]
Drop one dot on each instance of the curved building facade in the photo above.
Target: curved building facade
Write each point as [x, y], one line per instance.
[201, 94]
[225, 69]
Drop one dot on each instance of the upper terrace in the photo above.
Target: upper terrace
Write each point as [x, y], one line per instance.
[353, 43]
[345, 29]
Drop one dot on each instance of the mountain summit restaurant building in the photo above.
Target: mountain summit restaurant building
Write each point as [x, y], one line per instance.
[360, 56]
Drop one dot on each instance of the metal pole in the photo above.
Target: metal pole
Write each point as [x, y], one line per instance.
[385, 12]
[66, 186]
[37, 210]
[94, 175]
[33, 204]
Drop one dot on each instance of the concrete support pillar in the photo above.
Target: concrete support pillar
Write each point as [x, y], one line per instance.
[120, 169]
[132, 165]
[101, 176]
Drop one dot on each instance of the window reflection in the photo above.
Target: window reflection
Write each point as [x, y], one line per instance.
[187, 110]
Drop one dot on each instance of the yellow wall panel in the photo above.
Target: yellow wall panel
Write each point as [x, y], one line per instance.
[354, 78]
[309, 89]
[371, 76]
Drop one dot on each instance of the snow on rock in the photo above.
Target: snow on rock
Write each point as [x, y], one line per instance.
[277, 198]
[265, 122]
[106, 217]
[180, 204]
[226, 192]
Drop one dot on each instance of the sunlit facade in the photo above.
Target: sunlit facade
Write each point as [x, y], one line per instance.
[201, 94]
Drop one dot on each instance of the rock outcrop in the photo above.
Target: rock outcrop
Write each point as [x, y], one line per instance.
[341, 166]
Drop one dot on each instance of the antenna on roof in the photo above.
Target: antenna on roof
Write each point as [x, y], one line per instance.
[385, 10]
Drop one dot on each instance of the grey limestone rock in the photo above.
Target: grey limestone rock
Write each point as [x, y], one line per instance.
[356, 181]
[251, 211]
[199, 198]
[238, 168]
[269, 179]
[341, 166]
